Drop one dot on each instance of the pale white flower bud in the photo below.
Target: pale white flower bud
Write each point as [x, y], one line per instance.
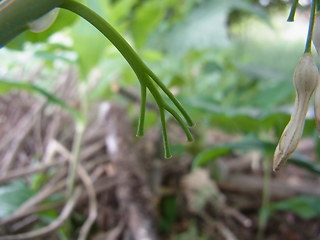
[305, 80]
[44, 22]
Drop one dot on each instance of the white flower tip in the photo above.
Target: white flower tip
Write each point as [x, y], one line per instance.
[279, 159]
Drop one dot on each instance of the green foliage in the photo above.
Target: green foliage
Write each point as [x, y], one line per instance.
[191, 233]
[12, 196]
[147, 17]
[169, 212]
[304, 162]
[251, 143]
[8, 86]
[227, 76]
[306, 207]
[89, 46]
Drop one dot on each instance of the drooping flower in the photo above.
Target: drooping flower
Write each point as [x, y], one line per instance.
[305, 80]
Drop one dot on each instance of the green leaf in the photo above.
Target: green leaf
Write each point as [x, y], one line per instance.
[252, 9]
[210, 155]
[304, 162]
[119, 10]
[247, 144]
[89, 44]
[252, 143]
[8, 86]
[12, 196]
[169, 212]
[204, 27]
[191, 233]
[147, 18]
[245, 119]
[306, 207]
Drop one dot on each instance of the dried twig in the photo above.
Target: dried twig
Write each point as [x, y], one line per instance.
[65, 213]
[93, 205]
[279, 189]
[32, 202]
[23, 129]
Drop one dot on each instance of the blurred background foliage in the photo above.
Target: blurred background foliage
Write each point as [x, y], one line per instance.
[229, 62]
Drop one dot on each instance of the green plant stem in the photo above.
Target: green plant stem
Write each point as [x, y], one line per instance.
[76, 147]
[265, 197]
[146, 77]
[293, 11]
[124, 48]
[78, 137]
[311, 25]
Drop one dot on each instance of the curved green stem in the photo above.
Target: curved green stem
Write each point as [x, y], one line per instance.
[107, 30]
[311, 25]
[262, 222]
[146, 77]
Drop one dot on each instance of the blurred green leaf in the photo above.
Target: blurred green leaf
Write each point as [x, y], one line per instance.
[245, 119]
[169, 211]
[210, 155]
[306, 207]
[119, 10]
[147, 17]
[252, 143]
[252, 9]
[247, 144]
[8, 86]
[204, 27]
[89, 44]
[12, 196]
[304, 162]
[191, 233]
